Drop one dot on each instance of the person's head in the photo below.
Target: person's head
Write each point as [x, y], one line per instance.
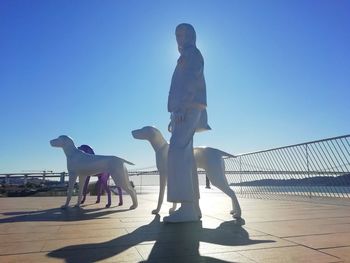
[86, 149]
[185, 36]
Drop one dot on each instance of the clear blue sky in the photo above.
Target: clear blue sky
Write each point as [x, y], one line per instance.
[277, 72]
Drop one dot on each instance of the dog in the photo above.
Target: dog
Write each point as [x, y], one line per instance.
[102, 182]
[82, 164]
[209, 159]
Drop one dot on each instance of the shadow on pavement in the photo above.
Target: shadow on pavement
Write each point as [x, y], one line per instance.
[57, 214]
[173, 243]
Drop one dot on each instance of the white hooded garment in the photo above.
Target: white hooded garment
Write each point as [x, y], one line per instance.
[188, 87]
[187, 95]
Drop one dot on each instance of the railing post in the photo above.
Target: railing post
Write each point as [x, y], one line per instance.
[308, 168]
[7, 180]
[141, 184]
[207, 182]
[63, 174]
[44, 175]
[240, 172]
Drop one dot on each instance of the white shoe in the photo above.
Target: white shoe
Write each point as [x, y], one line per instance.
[186, 213]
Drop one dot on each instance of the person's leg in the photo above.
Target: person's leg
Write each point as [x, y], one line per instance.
[181, 165]
[195, 185]
[180, 185]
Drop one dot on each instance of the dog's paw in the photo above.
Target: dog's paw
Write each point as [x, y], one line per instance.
[64, 206]
[133, 207]
[155, 211]
[77, 205]
[120, 204]
[235, 214]
[239, 221]
[108, 205]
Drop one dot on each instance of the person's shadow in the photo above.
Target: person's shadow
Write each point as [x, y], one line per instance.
[173, 243]
[57, 214]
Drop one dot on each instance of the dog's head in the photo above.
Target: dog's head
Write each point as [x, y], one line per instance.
[145, 133]
[61, 141]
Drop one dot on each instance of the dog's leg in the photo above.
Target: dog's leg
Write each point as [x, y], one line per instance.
[125, 185]
[216, 175]
[131, 191]
[80, 192]
[236, 208]
[98, 190]
[162, 184]
[85, 189]
[120, 194]
[71, 182]
[108, 191]
[196, 188]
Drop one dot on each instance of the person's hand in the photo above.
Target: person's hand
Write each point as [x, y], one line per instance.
[179, 116]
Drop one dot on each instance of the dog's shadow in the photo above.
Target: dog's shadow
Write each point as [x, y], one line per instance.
[173, 243]
[58, 214]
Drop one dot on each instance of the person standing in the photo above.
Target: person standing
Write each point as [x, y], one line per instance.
[187, 102]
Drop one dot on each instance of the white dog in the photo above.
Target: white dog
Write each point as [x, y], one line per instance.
[207, 158]
[82, 164]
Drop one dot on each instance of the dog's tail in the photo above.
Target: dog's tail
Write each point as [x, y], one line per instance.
[125, 161]
[223, 154]
[227, 155]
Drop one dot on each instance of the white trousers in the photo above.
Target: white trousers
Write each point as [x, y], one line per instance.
[182, 170]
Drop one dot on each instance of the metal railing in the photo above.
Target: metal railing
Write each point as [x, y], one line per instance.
[25, 177]
[53, 177]
[313, 169]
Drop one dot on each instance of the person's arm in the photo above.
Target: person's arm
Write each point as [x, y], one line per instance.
[190, 70]
[192, 74]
